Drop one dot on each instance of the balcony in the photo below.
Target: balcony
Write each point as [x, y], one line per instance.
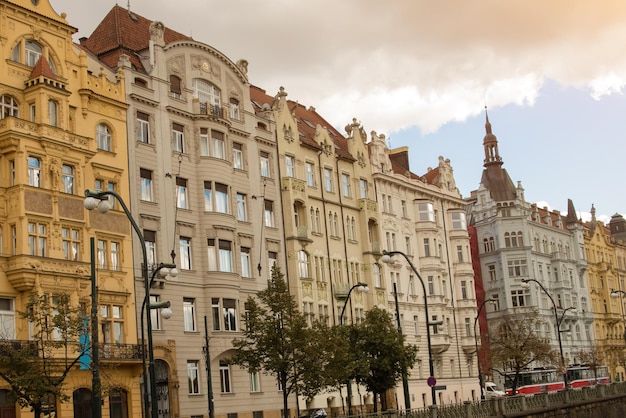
[439, 343]
[120, 352]
[211, 110]
[368, 206]
[341, 289]
[468, 344]
[9, 347]
[293, 188]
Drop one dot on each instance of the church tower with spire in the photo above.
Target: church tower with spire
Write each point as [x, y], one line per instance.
[517, 241]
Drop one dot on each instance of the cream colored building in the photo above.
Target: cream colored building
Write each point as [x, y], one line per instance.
[424, 218]
[331, 222]
[62, 130]
[205, 176]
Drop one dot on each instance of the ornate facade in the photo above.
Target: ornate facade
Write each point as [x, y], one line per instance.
[605, 275]
[519, 241]
[204, 170]
[331, 221]
[63, 130]
[424, 217]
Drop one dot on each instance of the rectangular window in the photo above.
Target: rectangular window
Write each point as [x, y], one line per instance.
[459, 253]
[245, 262]
[272, 260]
[328, 179]
[458, 220]
[345, 185]
[155, 314]
[185, 253]
[219, 255]
[221, 198]
[290, 164]
[517, 268]
[71, 243]
[204, 142]
[37, 239]
[143, 127]
[7, 318]
[67, 177]
[178, 138]
[217, 143]
[463, 289]
[363, 188]
[310, 174]
[268, 213]
[237, 156]
[255, 385]
[146, 184]
[112, 324]
[224, 377]
[193, 377]
[150, 239]
[265, 164]
[426, 212]
[229, 311]
[181, 193]
[242, 213]
[426, 247]
[517, 298]
[12, 172]
[431, 285]
[189, 314]
[403, 208]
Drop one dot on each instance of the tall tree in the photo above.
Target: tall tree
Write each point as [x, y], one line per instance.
[516, 344]
[278, 341]
[384, 353]
[36, 369]
[593, 357]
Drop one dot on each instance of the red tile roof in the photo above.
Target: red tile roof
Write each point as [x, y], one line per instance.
[124, 32]
[307, 119]
[42, 68]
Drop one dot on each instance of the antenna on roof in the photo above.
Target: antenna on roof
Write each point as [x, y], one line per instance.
[128, 6]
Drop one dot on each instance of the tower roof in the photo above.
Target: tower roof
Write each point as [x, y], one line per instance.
[495, 178]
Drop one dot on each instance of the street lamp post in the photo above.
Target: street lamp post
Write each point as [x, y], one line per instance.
[526, 283]
[387, 259]
[362, 288]
[99, 199]
[480, 372]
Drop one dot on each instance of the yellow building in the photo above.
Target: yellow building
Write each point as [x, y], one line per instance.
[617, 226]
[603, 276]
[63, 130]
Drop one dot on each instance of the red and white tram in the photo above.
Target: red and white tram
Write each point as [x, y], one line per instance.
[541, 380]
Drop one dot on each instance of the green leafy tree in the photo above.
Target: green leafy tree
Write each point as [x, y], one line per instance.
[278, 341]
[382, 352]
[36, 369]
[515, 344]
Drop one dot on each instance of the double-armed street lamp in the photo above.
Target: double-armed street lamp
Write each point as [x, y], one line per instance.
[387, 258]
[363, 288]
[100, 200]
[559, 320]
[480, 372]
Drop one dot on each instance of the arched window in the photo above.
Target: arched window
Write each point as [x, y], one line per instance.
[34, 171]
[33, 53]
[103, 137]
[208, 95]
[8, 107]
[53, 112]
[82, 403]
[234, 109]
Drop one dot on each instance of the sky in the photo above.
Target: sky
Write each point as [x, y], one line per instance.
[551, 73]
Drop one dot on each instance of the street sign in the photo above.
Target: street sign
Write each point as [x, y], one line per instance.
[440, 387]
[431, 381]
